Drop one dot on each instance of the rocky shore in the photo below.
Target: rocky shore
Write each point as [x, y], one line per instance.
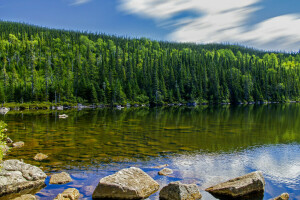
[20, 181]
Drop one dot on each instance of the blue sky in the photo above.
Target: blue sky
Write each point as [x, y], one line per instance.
[263, 24]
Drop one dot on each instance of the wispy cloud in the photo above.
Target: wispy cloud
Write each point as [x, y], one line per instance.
[220, 21]
[79, 2]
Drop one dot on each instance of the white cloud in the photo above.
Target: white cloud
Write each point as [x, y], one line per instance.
[220, 21]
[79, 2]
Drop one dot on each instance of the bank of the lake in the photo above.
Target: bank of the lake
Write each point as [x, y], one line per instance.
[202, 145]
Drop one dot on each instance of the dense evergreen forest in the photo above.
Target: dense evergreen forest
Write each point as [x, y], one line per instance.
[41, 64]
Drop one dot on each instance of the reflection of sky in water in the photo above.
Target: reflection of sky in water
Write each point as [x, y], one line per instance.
[280, 165]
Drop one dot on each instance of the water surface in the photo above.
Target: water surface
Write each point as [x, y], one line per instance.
[203, 145]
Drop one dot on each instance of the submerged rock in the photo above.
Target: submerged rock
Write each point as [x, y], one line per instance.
[26, 197]
[179, 191]
[165, 172]
[241, 186]
[18, 144]
[160, 166]
[40, 157]
[68, 194]
[284, 196]
[131, 183]
[61, 178]
[16, 176]
[64, 116]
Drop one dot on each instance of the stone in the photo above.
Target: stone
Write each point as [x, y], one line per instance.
[284, 196]
[61, 178]
[179, 191]
[17, 176]
[40, 157]
[64, 116]
[68, 194]
[160, 166]
[130, 183]
[9, 141]
[59, 108]
[18, 144]
[26, 197]
[165, 172]
[240, 186]
[4, 110]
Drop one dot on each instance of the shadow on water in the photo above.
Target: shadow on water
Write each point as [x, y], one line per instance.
[202, 144]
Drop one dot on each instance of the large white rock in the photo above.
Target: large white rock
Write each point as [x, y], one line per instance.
[240, 186]
[179, 191]
[16, 176]
[131, 183]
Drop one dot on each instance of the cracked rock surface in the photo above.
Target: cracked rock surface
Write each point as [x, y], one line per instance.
[16, 176]
[131, 183]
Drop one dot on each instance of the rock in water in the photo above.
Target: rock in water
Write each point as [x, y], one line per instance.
[131, 183]
[64, 116]
[18, 144]
[17, 176]
[4, 110]
[284, 196]
[165, 172]
[160, 166]
[68, 194]
[241, 186]
[60, 178]
[179, 191]
[40, 157]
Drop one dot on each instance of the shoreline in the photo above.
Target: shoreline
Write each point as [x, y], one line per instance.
[67, 106]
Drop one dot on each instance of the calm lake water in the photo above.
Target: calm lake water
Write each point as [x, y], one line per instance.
[203, 145]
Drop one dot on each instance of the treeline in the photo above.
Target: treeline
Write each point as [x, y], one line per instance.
[40, 64]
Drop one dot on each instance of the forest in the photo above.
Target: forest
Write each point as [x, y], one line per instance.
[40, 64]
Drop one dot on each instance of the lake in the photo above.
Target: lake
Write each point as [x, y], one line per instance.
[204, 145]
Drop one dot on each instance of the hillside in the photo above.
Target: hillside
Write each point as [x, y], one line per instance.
[41, 64]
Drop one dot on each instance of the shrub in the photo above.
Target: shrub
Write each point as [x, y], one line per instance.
[2, 138]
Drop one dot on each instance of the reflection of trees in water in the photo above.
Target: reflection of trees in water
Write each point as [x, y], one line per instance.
[106, 135]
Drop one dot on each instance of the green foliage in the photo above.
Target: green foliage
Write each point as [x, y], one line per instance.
[47, 65]
[2, 138]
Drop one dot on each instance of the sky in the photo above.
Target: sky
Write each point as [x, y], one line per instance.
[262, 24]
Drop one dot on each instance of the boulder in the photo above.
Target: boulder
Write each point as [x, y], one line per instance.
[17, 176]
[284, 196]
[61, 178]
[130, 183]
[68, 194]
[40, 157]
[165, 172]
[241, 186]
[18, 144]
[26, 197]
[179, 191]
